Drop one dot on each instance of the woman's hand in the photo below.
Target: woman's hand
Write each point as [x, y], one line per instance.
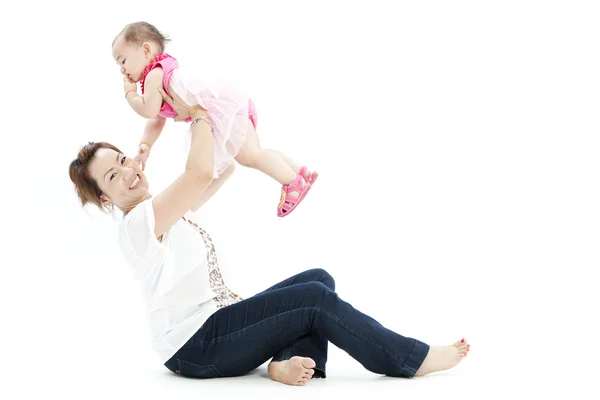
[181, 108]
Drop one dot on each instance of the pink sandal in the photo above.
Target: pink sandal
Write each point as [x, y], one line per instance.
[298, 185]
[310, 179]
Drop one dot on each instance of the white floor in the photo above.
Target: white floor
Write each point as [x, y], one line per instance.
[478, 377]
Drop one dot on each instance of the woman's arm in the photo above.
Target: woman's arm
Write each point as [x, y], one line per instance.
[179, 198]
[148, 105]
[213, 188]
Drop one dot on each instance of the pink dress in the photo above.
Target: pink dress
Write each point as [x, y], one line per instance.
[228, 109]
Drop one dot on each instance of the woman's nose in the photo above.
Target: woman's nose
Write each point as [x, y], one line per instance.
[127, 173]
[123, 70]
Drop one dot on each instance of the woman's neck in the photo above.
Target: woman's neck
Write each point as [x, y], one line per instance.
[126, 209]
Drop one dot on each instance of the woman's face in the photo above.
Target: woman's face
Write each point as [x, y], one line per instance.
[120, 179]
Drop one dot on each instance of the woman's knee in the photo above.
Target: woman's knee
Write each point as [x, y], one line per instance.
[325, 277]
[316, 288]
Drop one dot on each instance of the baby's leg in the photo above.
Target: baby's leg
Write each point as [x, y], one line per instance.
[289, 161]
[279, 167]
[251, 155]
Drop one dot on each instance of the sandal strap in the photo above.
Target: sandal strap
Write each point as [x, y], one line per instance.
[290, 198]
[308, 178]
[302, 172]
[297, 185]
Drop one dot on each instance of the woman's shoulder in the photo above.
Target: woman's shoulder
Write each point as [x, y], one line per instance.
[141, 219]
[138, 222]
[136, 231]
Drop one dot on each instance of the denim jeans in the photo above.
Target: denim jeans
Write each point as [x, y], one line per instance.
[296, 317]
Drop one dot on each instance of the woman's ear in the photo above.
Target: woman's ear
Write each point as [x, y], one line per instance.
[105, 201]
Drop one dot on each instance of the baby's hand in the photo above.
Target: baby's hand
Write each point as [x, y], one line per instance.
[142, 157]
[128, 84]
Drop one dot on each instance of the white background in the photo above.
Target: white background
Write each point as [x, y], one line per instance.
[457, 146]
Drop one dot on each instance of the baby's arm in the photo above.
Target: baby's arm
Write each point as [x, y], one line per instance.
[152, 131]
[148, 105]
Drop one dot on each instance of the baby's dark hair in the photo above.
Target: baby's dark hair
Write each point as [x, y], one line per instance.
[139, 32]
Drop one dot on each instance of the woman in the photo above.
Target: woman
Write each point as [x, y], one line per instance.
[201, 328]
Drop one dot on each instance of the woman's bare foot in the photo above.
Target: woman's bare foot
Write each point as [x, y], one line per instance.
[295, 371]
[441, 358]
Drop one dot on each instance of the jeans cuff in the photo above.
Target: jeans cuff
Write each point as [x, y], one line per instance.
[320, 369]
[416, 358]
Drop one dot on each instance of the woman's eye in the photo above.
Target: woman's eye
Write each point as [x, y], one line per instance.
[123, 160]
[113, 175]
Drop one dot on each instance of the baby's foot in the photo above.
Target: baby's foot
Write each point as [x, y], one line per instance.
[295, 371]
[441, 358]
[307, 174]
[290, 195]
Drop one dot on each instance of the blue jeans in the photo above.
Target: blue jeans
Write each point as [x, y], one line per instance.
[296, 317]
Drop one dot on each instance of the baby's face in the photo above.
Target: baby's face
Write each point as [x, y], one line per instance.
[132, 58]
